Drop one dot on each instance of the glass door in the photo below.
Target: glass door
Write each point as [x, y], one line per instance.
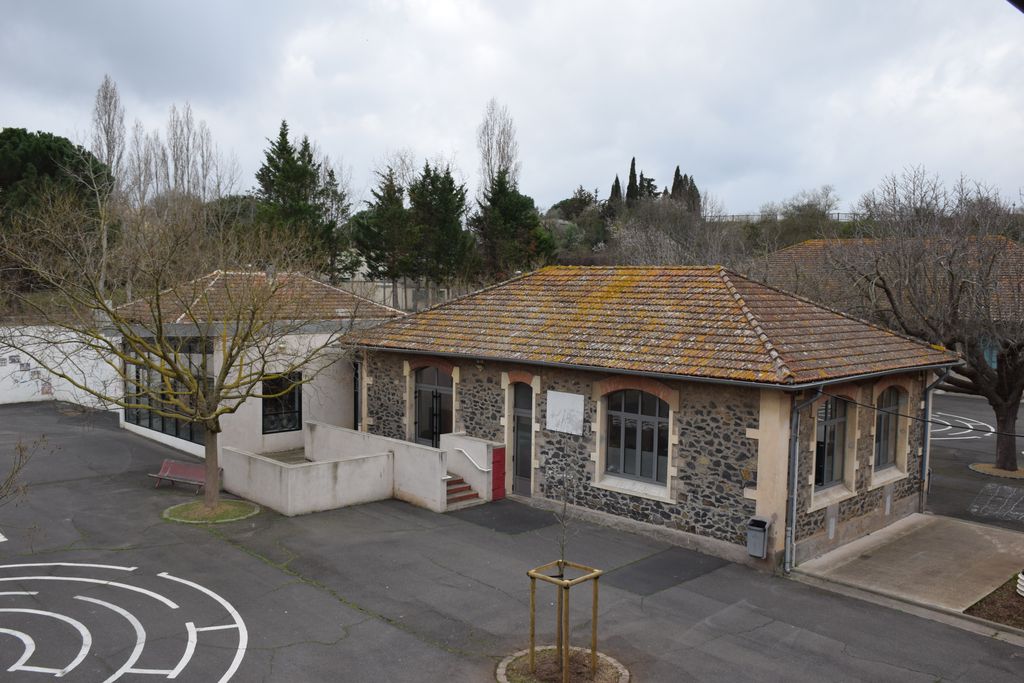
[522, 438]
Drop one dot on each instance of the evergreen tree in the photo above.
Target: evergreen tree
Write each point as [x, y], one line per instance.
[648, 188]
[384, 233]
[300, 195]
[615, 197]
[509, 230]
[692, 197]
[437, 204]
[632, 189]
[678, 187]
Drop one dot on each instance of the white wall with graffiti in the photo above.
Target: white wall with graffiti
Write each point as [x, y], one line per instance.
[24, 377]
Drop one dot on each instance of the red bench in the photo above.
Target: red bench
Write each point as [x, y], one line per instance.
[176, 471]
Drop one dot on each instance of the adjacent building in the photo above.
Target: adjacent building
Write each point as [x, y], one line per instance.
[689, 398]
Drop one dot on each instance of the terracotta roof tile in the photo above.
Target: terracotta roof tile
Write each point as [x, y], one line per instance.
[224, 295]
[702, 322]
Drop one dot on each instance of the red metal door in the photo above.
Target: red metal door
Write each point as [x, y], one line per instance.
[498, 473]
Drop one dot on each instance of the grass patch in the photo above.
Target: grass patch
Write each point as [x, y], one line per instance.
[549, 671]
[196, 512]
[1003, 605]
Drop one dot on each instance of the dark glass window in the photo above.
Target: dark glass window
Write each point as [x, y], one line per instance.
[886, 427]
[282, 405]
[433, 410]
[830, 437]
[149, 391]
[637, 444]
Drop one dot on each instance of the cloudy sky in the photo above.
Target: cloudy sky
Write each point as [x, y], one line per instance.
[757, 100]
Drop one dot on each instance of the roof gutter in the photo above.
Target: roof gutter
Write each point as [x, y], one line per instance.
[670, 376]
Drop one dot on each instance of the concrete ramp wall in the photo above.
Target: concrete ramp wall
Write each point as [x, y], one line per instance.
[346, 468]
[298, 489]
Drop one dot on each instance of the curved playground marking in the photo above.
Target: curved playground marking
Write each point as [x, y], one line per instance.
[959, 428]
[190, 594]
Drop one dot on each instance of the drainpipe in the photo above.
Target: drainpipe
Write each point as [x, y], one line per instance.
[926, 438]
[794, 461]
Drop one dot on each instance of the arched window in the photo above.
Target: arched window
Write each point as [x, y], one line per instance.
[433, 405]
[887, 427]
[637, 445]
[830, 437]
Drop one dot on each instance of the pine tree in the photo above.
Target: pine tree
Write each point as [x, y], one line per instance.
[300, 195]
[509, 230]
[437, 204]
[632, 189]
[678, 187]
[648, 188]
[384, 234]
[615, 197]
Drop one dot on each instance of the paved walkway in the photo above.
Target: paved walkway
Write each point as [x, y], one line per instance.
[927, 559]
[391, 592]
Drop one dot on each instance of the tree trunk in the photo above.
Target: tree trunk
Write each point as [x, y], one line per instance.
[211, 494]
[394, 293]
[1006, 441]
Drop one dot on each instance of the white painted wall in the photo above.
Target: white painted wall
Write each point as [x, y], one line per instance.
[418, 470]
[24, 379]
[297, 489]
[471, 459]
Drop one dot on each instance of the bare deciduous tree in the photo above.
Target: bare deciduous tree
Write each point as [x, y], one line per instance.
[936, 263]
[11, 486]
[185, 349]
[499, 149]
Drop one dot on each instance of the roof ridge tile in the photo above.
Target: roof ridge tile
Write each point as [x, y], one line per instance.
[781, 368]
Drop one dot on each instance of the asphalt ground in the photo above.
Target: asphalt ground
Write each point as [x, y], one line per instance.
[958, 491]
[391, 592]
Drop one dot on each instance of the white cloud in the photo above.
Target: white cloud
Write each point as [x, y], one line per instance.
[756, 100]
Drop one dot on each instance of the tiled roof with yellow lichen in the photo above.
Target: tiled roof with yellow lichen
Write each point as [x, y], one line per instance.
[703, 322]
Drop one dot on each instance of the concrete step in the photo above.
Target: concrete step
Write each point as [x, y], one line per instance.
[453, 490]
[462, 497]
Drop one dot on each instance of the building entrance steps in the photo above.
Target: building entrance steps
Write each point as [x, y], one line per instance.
[459, 493]
[929, 560]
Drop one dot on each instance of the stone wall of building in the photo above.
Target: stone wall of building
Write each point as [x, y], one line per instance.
[870, 508]
[385, 394]
[714, 459]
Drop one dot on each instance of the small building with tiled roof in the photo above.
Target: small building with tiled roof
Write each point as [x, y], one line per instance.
[191, 316]
[689, 398]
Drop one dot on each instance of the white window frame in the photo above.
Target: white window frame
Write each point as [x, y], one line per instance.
[846, 487]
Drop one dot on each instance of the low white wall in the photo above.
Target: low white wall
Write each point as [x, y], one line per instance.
[24, 379]
[297, 489]
[418, 470]
[470, 458]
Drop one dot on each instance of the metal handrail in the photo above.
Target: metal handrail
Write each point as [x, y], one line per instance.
[470, 458]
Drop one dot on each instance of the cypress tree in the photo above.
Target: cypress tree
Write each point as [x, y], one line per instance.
[632, 189]
[616, 194]
[693, 197]
[678, 187]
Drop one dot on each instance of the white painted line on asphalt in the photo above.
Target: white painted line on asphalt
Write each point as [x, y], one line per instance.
[190, 648]
[243, 634]
[217, 628]
[79, 626]
[30, 647]
[2, 538]
[68, 564]
[155, 596]
[140, 638]
[967, 428]
[20, 593]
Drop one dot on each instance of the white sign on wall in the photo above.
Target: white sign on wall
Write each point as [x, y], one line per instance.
[565, 412]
